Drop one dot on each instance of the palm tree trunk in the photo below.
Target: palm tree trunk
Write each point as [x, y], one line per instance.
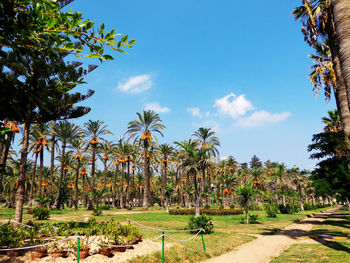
[33, 181]
[121, 201]
[19, 199]
[146, 192]
[340, 92]
[341, 14]
[114, 194]
[4, 153]
[76, 192]
[246, 216]
[91, 201]
[133, 185]
[41, 169]
[127, 200]
[196, 199]
[52, 165]
[347, 202]
[284, 199]
[84, 193]
[58, 195]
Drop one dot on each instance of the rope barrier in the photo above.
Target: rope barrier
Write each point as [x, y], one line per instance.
[184, 240]
[41, 245]
[165, 230]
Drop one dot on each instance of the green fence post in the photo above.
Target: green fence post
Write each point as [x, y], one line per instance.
[78, 248]
[163, 248]
[203, 240]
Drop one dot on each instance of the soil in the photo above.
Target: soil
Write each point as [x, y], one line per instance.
[142, 248]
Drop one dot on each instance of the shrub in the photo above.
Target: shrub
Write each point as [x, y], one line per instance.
[221, 207]
[253, 219]
[308, 206]
[207, 207]
[104, 207]
[232, 206]
[97, 211]
[285, 209]
[271, 211]
[41, 213]
[206, 211]
[203, 222]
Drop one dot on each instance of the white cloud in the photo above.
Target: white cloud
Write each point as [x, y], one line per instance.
[136, 84]
[233, 106]
[156, 107]
[260, 118]
[195, 112]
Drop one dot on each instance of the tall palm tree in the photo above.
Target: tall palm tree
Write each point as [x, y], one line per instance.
[325, 19]
[65, 132]
[77, 145]
[340, 11]
[143, 131]
[165, 150]
[42, 129]
[207, 136]
[124, 150]
[94, 129]
[194, 155]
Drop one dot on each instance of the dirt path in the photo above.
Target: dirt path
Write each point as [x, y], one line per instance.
[265, 248]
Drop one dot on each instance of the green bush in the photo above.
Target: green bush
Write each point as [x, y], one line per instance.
[271, 211]
[97, 211]
[308, 206]
[104, 207]
[41, 213]
[207, 207]
[206, 211]
[232, 206]
[203, 222]
[253, 219]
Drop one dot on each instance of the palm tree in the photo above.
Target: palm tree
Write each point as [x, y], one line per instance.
[142, 131]
[94, 129]
[280, 175]
[206, 136]
[194, 155]
[42, 129]
[124, 150]
[65, 132]
[165, 150]
[332, 123]
[77, 145]
[340, 11]
[324, 20]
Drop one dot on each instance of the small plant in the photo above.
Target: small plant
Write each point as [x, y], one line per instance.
[271, 211]
[253, 219]
[97, 212]
[41, 213]
[207, 207]
[203, 222]
[221, 207]
[104, 207]
[232, 206]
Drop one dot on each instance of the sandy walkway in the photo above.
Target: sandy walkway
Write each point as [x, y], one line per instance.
[265, 248]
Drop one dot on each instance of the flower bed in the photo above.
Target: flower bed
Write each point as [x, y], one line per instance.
[206, 211]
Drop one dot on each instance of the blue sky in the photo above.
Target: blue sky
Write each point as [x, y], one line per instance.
[236, 68]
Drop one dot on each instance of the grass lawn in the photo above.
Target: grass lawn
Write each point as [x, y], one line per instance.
[333, 244]
[229, 232]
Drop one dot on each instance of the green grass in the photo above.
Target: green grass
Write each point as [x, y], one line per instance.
[330, 248]
[229, 232]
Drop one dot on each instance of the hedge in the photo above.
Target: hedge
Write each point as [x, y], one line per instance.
[206, 211]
